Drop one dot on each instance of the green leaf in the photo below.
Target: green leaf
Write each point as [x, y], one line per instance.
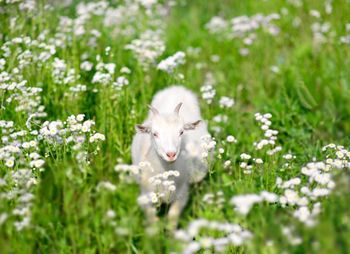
[305, 97]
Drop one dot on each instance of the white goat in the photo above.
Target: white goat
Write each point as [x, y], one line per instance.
[170, 141]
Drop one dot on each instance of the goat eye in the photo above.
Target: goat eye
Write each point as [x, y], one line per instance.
[155, 134]
[181, 132]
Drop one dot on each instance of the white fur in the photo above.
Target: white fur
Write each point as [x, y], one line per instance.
[167, 126]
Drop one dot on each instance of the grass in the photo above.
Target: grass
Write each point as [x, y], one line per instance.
[309, 99]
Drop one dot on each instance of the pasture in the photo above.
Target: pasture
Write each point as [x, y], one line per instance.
[273, 81]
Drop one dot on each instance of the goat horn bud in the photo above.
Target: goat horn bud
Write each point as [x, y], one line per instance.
[177, 108]
[153, 109]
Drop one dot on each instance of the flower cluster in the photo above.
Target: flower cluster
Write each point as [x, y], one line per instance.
[218, 119]
[61, 74]
[127, 173]
[164, 186]
[304, 198]
[169, 64]
[106, 185]
[217, 25]
[227, 164]
[23, 52]
[19, 146]
[161, 180]
[243, 203]
[128, 18]
[270, 135]
[28, 51]
[233, 234]
[76, 27]
[245, 163]
[207, 89]
[345, 39]
[289, 233]
[75, 132]
[104, 72]
[147, 48]
[121, 15]
[217, 199]
[127, 168]
[320, 32]
[20, 153]
[231, 139]
[78, 88]
[208, 144]
[243, 27]
[226, 102]
[111, 220]
[120, 82]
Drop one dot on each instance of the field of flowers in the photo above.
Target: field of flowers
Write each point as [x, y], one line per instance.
[273, 79]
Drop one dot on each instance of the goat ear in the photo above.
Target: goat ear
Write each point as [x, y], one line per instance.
[192, 126]
[177, 108]
[142, 128]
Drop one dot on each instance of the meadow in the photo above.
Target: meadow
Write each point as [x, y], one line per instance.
[273, 80]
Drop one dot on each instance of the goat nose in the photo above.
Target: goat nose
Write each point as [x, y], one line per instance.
[171, 155]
